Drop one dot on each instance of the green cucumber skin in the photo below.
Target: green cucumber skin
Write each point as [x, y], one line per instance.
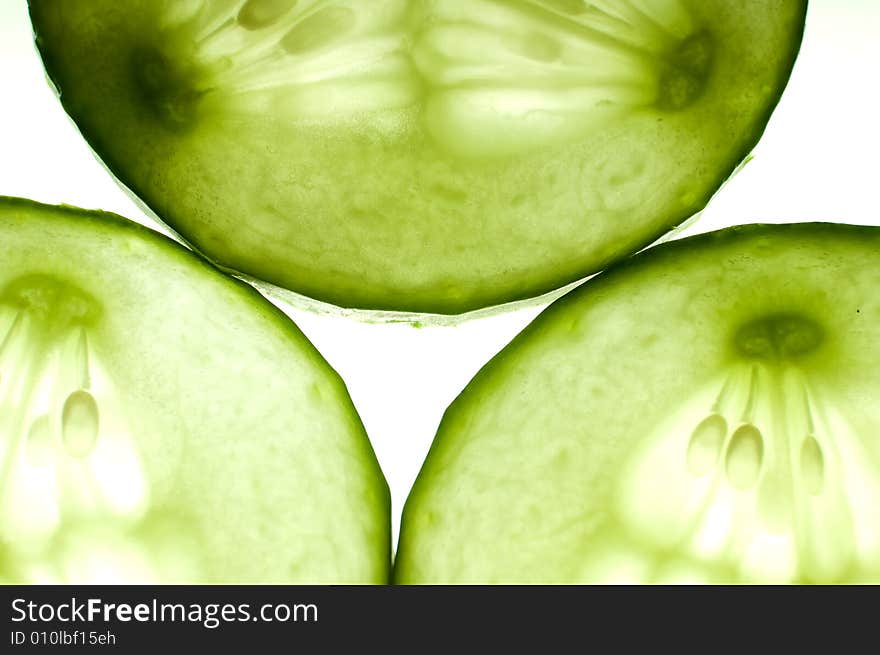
[186, 468]
[553, 380]
[464, 247]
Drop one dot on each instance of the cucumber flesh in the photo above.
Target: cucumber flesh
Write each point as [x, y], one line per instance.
[704, 412]
[160, 422]
[426, 156]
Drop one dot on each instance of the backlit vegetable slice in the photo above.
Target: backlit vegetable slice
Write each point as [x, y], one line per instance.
[705, 412]
[160, 422]
[428, 156]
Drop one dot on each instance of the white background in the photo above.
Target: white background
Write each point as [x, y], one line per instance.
[818, 161]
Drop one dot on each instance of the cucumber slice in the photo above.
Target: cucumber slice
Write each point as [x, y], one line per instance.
[428, 156]
[160, 422]
[705, 412]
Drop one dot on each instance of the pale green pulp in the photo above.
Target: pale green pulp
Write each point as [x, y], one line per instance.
[705, 412]
[420, 155]
[160, 422]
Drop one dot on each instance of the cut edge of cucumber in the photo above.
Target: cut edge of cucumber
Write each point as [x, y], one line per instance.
[102, 219]
[383, 308]
[611, 275]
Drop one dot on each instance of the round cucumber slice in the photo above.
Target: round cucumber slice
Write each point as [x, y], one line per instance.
[704, 412]
[426, 156]
[160, 422]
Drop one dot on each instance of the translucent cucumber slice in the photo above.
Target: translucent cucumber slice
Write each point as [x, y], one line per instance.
[705, 412]
[160, 422]
[414, 155]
